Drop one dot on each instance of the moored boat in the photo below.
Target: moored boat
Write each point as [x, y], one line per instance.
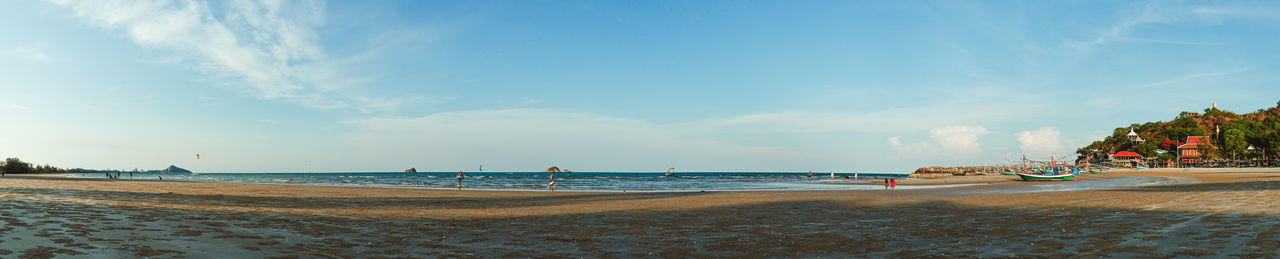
[1037, 177]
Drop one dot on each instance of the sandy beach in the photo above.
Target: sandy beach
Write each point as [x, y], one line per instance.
[1191, 212]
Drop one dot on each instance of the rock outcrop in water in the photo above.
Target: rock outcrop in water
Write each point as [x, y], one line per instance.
[557, 170]
[171, 170]
[411, 170]
[938, 171]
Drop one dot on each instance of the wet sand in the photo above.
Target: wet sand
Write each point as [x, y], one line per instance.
[1216, 212]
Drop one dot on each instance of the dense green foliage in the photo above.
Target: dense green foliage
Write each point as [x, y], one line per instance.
[1230, 134]
[15, 166]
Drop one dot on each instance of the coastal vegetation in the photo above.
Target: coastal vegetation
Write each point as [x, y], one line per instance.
[14, 165]
[1230, 136]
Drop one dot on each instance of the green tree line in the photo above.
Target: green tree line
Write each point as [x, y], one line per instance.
[1230, 134]
[14, 165]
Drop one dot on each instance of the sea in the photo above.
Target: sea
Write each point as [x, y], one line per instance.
[538, 181]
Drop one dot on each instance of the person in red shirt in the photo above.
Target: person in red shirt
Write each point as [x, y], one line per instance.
[893, 183]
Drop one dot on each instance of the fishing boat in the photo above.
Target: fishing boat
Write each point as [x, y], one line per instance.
[1038, 177]
[671, 171]
[1097, 171]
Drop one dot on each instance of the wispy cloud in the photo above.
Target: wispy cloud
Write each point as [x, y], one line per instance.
[1150, 12]
[10, 106]
[267, 48]
[899, 120]
[1165, 12]
[908, 151]
[537, 138]
[28, 54]
[1193, 76]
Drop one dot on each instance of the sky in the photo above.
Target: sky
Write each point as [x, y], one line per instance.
[870, 86]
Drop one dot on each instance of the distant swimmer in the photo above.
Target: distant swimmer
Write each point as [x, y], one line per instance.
[810, 175]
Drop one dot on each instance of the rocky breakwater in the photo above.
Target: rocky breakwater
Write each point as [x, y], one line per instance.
[939, 171]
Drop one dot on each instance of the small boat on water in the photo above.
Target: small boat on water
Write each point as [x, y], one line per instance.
[1039, 177]
[671, 171]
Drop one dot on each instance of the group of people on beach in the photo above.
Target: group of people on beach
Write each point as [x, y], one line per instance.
[117, 175]
[890, 183]
[551, 185]
[833, 175]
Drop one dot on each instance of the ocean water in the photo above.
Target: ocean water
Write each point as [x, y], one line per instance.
[525, 181]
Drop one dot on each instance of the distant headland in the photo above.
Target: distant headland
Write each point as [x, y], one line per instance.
[17, 166]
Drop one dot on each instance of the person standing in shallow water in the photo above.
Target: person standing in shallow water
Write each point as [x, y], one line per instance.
[553, 180]
[893, 183]
[459, 180]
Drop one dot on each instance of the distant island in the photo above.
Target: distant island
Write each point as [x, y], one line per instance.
[17, 166]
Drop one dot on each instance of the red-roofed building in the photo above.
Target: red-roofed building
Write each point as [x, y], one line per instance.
[1191, 151]
[1126, 157]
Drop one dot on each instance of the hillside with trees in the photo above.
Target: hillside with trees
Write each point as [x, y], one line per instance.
[1230, 134]
[14, 165]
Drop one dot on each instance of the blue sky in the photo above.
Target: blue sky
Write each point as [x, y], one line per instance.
[610, 86]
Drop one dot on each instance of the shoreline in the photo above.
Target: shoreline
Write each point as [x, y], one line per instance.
[812, 185]
[1234, 208]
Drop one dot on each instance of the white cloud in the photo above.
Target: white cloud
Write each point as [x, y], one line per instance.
[959, 141]
[1043, 141]
[267, 48]
[916, 150]
[28, 54]
[526, 139]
